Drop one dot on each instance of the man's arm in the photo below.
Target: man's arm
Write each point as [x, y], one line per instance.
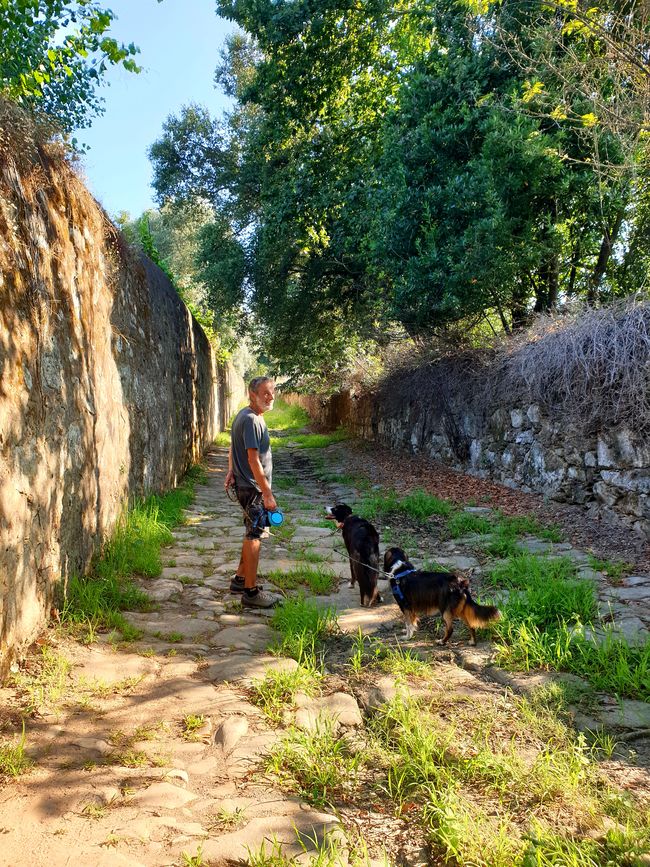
[230, 475]
[256, 467]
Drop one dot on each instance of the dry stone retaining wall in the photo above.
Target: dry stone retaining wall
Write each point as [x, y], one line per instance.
[109, 388]
[520, 446]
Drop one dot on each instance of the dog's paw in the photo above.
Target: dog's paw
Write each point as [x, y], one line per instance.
[440, 642]
[351, 584]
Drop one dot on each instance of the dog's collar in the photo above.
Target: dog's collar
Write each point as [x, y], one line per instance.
[396, 574]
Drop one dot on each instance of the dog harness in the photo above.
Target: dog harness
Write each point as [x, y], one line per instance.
[396, 586]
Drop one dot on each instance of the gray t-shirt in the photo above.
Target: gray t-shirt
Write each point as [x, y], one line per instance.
[249, 431]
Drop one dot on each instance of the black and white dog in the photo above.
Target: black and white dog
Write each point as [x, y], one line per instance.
[362, 544]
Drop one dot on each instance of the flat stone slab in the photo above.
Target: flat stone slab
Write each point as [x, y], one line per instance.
[109, 668]
[627, 714]
[255, 636]
[301, 830]
[339, 708]
[175, 624]
[165, 796]
[243, 668]
[176, 572]
[639, 593]
[162, 590]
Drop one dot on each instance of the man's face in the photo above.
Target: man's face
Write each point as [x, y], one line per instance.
[262, 399]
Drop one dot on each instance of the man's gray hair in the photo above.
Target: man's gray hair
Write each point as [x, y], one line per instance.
[255, 383]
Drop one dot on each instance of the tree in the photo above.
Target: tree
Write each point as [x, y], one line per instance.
[53, 55]
[395, 167]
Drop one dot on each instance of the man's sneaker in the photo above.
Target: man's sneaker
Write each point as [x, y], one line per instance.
[261, 599]
[237, 585]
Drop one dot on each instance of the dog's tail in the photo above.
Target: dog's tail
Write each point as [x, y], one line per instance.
[477, 616]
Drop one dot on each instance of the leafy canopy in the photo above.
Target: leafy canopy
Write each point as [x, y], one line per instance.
[54, 53]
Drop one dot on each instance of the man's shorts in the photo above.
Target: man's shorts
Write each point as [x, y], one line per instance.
[254, 512]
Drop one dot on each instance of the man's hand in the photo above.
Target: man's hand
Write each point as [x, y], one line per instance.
[230, 478]
[269, 502]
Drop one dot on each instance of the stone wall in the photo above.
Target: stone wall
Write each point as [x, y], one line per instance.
[108, 387]
[525, 447]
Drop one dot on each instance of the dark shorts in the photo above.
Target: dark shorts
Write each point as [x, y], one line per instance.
[251, 502]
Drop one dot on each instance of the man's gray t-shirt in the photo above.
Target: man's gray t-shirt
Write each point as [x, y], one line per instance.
[249, 431]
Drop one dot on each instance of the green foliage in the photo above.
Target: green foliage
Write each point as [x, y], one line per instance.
[417, 505]
[54, 54]
[464, 523]
[389, 168]
[317, 765]
[286, 417]
[277, 691]
[547, 624]
[318, 580]
[303, 626]
[133, 549]
[13, 760]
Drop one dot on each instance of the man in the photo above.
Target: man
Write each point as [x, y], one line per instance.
[250, 468]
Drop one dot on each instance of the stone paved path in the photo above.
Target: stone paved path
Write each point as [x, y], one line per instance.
[117, 782]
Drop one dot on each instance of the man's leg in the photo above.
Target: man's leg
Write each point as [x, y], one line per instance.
[250, 558]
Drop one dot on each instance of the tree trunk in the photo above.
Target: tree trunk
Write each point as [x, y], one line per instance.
[603, 256]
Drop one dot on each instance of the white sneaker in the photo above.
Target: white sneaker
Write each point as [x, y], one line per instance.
[262, 599]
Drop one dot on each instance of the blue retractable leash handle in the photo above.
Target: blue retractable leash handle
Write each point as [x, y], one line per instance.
[274, 518]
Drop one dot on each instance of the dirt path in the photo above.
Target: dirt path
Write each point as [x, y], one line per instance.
[151, 753]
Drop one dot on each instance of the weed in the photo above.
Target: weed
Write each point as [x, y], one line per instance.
[318, 580]
[311, 440]
[45, 681]
[133, 549]
[191, 724]
[309, 555]
[193, 582]
[194, 860]
[13, 761]
[284, 416]
[229, 818]
[92, 810]
[171, 637]
[400, 662]
[279, 688]
[316, 764]
[614, 569]
[222, 439]
[464, 523]
[130, 758]
[303, 626]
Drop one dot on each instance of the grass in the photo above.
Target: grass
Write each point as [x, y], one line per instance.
[308, 555]
[318, 580]
[278, 689]
[394, 660]
[97, 600]
[311, 440]
[317, 765]
[223, 439]
[417, 505]
[45, 681]
[546, 625]
[191, 724]
[286, 417]
[614, 569]
[13, 760]
[303, 626]
[465, 523]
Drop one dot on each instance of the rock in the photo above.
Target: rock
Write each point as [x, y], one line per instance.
[253, 636]
[244, 668]
[302, 829]
[625, 713]
[177, 774]
[163, 796]
[230, 732]
[339, 708]
[108, 668]
[516, 417]
[161, 590]
[382, 692]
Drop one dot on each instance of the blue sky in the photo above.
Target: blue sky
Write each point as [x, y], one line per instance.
[180, 42]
